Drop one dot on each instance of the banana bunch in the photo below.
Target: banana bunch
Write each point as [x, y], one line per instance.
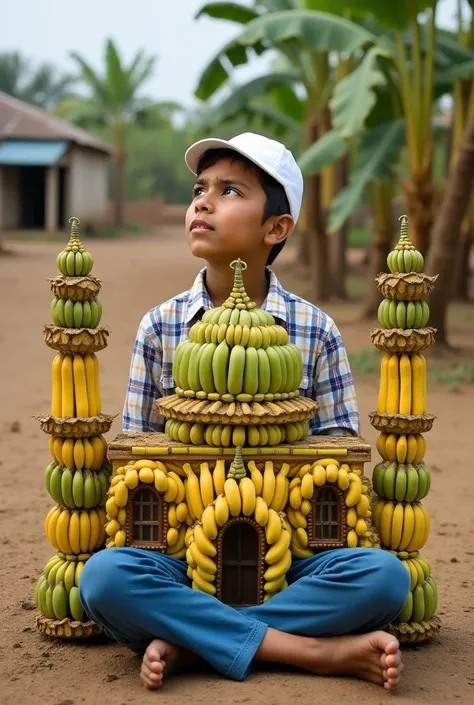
[56, 591]
[226, 435]
[402, 526]
[421, 602]
[403, 314]
[400, 482]
[75, 260]
[404, 448]
[67, 313]
[235, 372]
[417, 568]
[74, 531]
[253, 329]
[76, 388]
[89, 453]
[278, 560]
[73, 488]
[405, 257]
[402, 384]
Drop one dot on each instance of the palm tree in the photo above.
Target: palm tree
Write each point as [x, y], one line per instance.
[43, 86]
[114, 101]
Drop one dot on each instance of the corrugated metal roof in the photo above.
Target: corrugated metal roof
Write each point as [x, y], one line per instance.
[19, 120]
[31, 152]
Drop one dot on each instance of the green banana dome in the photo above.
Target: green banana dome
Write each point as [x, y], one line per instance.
[405, 257]
[237, 352]
[74, 260]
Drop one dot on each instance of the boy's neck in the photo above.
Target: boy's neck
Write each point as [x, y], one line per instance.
[220, 280]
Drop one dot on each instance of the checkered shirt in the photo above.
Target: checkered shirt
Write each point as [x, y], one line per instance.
[327, 376]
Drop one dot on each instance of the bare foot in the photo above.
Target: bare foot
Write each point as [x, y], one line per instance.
[160, 659]
[372, 657]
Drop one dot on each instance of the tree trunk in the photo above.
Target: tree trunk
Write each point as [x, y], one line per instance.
[119, 175]
[462, 271]
[446, 231]
[381, 242]
[320, 279]
[338, 248]
[419, 192]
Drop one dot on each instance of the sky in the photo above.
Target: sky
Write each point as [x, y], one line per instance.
[51, 29]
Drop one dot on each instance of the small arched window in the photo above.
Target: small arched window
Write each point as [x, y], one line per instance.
[328, 519]
[145, 518]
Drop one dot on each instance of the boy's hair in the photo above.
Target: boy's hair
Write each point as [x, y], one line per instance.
[277, 201]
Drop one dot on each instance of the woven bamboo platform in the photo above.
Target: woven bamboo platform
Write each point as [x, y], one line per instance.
[401, 423]
[75, 288]
[75, 340]
[238, 413]
[405, 287]
[396, 340]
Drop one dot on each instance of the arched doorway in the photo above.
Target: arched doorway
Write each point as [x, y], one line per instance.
[145, 518]
[241, 565]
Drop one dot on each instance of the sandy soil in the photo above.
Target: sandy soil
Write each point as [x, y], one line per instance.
[138, 273]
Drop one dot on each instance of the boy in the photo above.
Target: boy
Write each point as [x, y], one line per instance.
[246, 201]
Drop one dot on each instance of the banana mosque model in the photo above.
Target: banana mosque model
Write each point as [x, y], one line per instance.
[235, 473]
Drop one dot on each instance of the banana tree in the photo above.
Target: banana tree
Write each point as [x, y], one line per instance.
[306, 39]
[114, 101]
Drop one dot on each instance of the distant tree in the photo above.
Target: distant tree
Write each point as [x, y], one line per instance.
[43, 86]
[114, 101]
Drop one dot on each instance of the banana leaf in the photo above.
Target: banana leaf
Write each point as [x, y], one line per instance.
[232, 11]
[323, 152]
[391, 15]
[378, 152]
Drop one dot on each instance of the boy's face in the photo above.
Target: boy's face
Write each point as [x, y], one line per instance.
[224, 219]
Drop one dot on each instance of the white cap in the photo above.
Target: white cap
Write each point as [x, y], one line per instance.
[271, 156]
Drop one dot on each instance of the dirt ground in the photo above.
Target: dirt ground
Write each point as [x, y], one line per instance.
[138, 273]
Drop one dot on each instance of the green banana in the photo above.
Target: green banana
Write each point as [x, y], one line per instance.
[55, 485]
[86, 314]
[205, 369]
[104, 481]
[70, 262]
[60, 601]
[235, 377]
[412, 484]
[400, 484]
[401, 315]
[411, 314]
[89, 490]
[183, 370]
[405, 614]
[392, 313]
[193, 372]
[47, 476]
[244, 318]
[250, 384]
[75, 607]
[430, 600]
[69, 312]
[77, 314]
[407, 260]
[425, 315]
[389, 481]
[78, 488]
[224, 317]
[276, 373]
[423, 482]
[220, 362]
[66, 488]
[290, 368]
[418, 613]
[263, 371]
[59, 311]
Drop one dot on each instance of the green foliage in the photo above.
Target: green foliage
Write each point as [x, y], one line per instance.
[43, 85]
[232, 11]
[324, 151]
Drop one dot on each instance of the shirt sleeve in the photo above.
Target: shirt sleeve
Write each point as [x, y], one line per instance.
[334, 389]
[140, 412]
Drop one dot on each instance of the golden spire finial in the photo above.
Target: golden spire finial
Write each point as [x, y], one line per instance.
[238, 297]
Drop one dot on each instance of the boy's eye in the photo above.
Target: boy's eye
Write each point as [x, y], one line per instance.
[197, 191]
[231, 188]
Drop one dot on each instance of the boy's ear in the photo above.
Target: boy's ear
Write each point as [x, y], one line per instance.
[281, 227]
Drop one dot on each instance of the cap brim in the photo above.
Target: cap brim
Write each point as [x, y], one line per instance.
[195, 152]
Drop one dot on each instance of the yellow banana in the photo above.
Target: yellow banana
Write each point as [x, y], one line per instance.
[74, 532]
[418, 373]
[99, 454]
[300, 552]
[408, 527]
[261, 511]
[200, 558]
[62, 532]
[385, 528]
[393, 395]
[269, 483]
[181, 492]
[355, 490]
[80, 387]
[56, 396]
[402, 448]
[247, 492]
[295, 496]
[209, 523]
[256, 476]
[273, 528]
[218, 476]
[194, 493]
[85, 530]
[383, 388]
[203, 542]
[206, 484]
[67, 452]
[417, 539]
[221, 510]
[98, 401]
[51, 522]
[91, 385]
[405, 385]
[319, 475]
[397, 526]
[232, 495]
[420, 449]
[200, 584]
[279, 568]
[412, 448]
[67, 387]
[391, 447]
[280, 497]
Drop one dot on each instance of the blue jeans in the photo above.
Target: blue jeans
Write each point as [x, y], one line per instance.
[140, 595]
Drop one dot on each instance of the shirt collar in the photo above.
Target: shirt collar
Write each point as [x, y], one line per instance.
[275, 302]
